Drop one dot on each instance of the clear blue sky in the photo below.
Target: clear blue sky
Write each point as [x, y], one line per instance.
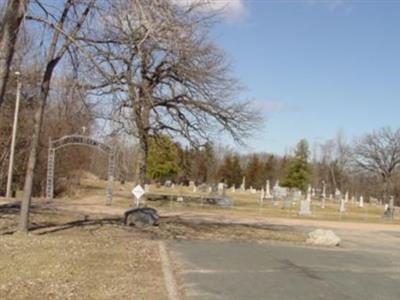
[316, 67]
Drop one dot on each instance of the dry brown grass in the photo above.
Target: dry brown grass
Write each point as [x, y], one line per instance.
[65, 258]
[246, 205]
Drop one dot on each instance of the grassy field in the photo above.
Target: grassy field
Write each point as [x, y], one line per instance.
[246, 204]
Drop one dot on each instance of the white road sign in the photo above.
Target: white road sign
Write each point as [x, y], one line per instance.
[138, 191]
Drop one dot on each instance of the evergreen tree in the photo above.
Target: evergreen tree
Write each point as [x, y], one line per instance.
[254, 172]
[269, 169]
[163, 159]
[236, 171]
[299, 170]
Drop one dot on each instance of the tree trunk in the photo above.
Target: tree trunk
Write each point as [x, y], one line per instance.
[38, 120]
[142, 123]
[15, 12]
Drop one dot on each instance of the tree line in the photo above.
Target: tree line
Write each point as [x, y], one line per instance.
[368, 166]
[138, 68]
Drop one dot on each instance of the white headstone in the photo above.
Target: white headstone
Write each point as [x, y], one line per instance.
[346, 197]
[323, 190]
[304, 208]
[262, 195]
[309, 194]
[147, 188]
[267, 190]
[243, 185]
[361, 203]
[338, 194]
[342, 207]
[253, 191]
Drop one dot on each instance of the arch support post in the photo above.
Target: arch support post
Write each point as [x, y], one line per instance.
[50, 172]
[110, 172]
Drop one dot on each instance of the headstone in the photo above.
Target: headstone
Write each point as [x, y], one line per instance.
[233, 189]
[221, 188]
[304, 208]
[309, 194]
[361, 203]
[243, 185]
[338, 194]
[323, 202]
[346, 197]
[168, 183]
[262, 195]
[194, 189]
[296, 195]
[313, 192]
[279, 192]
[252, 191]
[389, 209]
[342, 207]
[173, 186]
[391, 203]
[330, 197]
[224, 201]
[203, 188]
[323, 190]
[267, 191]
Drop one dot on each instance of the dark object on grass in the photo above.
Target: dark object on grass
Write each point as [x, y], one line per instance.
[141, 217]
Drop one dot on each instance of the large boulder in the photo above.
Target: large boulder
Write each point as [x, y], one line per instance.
[141, 217]
[321, 237]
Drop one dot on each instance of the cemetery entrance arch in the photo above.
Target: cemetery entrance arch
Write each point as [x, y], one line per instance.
[79, 140]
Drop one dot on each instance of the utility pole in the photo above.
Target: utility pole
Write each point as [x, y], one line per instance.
[14, 134]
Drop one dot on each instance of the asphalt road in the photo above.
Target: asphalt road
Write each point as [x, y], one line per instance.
[233, 270]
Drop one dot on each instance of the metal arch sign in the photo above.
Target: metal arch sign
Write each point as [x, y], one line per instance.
[79, 140]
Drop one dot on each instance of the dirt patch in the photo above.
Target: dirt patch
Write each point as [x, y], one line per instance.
[179, 229]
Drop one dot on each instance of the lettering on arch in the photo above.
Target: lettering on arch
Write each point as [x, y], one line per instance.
[79, 140]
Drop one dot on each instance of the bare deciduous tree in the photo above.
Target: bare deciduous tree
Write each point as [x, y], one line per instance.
[336, 155]
[379, 153]
[65, 25]
[9, 28]
[161, 74]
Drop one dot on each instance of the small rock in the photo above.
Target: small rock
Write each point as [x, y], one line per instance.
[321, 237]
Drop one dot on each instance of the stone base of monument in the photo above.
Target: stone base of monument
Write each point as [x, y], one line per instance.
[211, 199]
[141, 217]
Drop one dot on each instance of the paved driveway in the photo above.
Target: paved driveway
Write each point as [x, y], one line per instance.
[232, 270]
